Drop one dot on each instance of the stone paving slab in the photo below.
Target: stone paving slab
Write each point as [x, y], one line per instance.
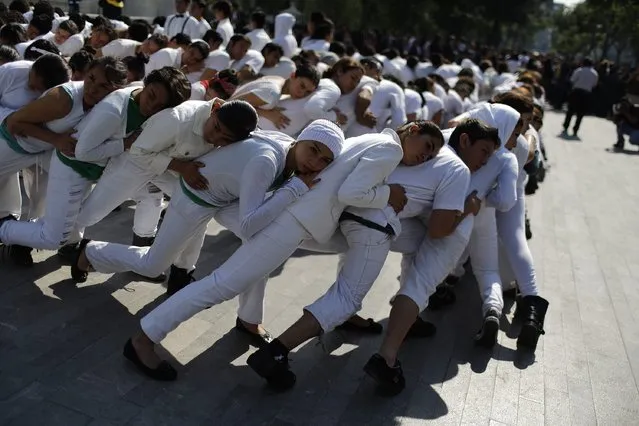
[60, 344]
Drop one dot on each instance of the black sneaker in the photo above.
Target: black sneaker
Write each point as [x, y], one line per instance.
[69, 252]
[421, 329]
[487, 336]
[390, 380]
[273, 368]
[21, 255]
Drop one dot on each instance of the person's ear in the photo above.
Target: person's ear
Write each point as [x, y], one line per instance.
[464, 141]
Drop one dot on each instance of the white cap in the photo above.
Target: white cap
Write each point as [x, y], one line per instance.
[326, 133]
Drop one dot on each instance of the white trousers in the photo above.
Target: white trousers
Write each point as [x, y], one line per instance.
[254, 260]
[511, 229]
[178, 243]
[123, 180]
[434, 259]
[10, 197]
[66, 190]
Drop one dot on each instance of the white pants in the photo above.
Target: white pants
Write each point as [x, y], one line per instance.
[511, 230]
[434, 259]
[254, 260]
[65, 191]
[123, 180]
[10, 197]
[179, 242]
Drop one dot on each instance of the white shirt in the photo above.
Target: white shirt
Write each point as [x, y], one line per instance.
[225, 29]
[346, 103]
[413, 103]
[217, 60]
[172, 133]
[434, 105]
[14, 91]
[268, 89]
[448, 70]
[284, 34]
[72, 45]
[584, 78]
[388, 102]
[502, 78]
[121, 48]
[247, 170]
[284, 68]
[182, 24]
[316, 45]
[198, 91]
[203, 27]
[453, 104]
[259, 38]
[167, 57]
[253, 59]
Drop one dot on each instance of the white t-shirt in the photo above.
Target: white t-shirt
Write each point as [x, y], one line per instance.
[259, 38]
[413, 103]
[388, 103]
[217, 60]
[182, 24]
[284, 68]
[121, 48]
[448, 70]
[225, 29]
[14, 92]
[253, 59]
[167, 57]
[268, 89]
[433, 103]
[315, 45]
[346, 102]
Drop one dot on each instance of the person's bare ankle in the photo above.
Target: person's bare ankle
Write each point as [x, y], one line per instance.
[390, 359]
[253, 328]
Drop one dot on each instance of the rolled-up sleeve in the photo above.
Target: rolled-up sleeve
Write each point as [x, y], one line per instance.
[365, 186]
[150, 150]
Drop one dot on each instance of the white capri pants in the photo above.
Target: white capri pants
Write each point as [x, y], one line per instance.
[254, 260]
[511, 228]
[434, 259]
[65, 191]
[123, 180]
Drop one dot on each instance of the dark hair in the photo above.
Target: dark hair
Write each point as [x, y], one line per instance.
[440, 80]
[223, 6]
[113, 68]
[59, 11]
[21, 6]
[343, 65]
[125, 19]
[475, 130]
[182, 39]
[258, 18]
[466, 72]
[436, 59]
[159, 20]
[102, 21]
[391, 53]
[423, 84]
[175, 83]
[43, 8]
[229, 76]
[42, 23]
[80, 60]
[31, 54]
[465, 83]
[13, 16]
[69, 26]
[138, 31]
[317, 17]
[52, 69]
[109, 31]
[13, 34]
[211, 37]
[136, 64]
[412, 62]
[371, 62]
[200, 3]
[160, 39]
[338, 48]
[587, 62]
[394, 79]
[306, 70]
[323, 29]
[272, 47]
[239, 117]
[79, 21]
[238, 37]
[502, 67]
[202, 47]
[485, 64]
[519, 102]
[8, 54]
[424, 127]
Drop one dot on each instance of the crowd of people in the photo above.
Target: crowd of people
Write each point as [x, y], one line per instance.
[288, 142]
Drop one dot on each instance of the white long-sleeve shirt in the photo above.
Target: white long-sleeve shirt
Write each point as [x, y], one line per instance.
[259, 38]
[246, 171]
[322, 101]
[175, 133]
[252, 58]
[121, 48]
[225, 29]
[388, 102]
[584, 78]
[268, 89]
[14, 90]
[182, 24]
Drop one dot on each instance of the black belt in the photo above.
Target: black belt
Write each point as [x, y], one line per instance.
[367, 223]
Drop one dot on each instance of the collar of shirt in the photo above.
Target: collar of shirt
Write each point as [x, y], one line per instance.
[393, 134]
[202, 114]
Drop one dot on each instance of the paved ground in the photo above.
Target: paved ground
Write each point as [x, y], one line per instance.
[60, 344]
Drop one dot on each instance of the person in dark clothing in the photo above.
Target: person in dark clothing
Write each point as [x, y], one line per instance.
[112, 9]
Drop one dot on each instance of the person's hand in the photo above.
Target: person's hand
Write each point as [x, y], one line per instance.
[341, 118]
[452, 123]
[397, 198]
[130, 140]
[277, 117]
[309, 179]
[65, 143]
[368, 119]
[190, 172]
[193, 68]
[473, 204]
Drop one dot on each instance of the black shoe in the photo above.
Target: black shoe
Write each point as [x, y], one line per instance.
[178, 279]
[21, 255]
[618, 146]
[487, 336]
[69, 252]
[273, 368]
[164, 372]
[78, 275]
[390, 380]
[443, 296]
[372, 327]
[421, 329]
[147, 242]
[452, 279]
[259, 340]
[511, 293]
[534, 310]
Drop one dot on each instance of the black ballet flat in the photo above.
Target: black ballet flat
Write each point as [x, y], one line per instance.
[164, 372]
[257, 340]
[372, 327]
[77, 274]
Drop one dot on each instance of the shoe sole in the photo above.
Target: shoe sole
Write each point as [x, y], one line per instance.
[528, 337]
[489, 335]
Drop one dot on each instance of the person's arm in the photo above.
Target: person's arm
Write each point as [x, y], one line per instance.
[532, 147]
[504, 196]
[96, 140]
[362, 102]
[255, 212]
[449, 205]
[320, 103]
[150, 148]
[365, 186]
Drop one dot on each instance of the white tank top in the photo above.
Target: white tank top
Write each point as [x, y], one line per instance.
[75, 90]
